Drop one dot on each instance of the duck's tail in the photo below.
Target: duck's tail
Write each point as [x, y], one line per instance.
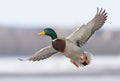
[85, 59]
[88, 57]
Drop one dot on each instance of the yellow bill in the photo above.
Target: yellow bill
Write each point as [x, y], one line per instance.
[41, 33]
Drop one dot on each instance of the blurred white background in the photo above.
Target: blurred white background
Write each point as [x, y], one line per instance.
[57, 12]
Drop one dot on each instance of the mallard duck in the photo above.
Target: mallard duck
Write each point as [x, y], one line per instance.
[71, 46]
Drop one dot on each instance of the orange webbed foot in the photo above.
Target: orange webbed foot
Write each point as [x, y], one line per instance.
[75, 64]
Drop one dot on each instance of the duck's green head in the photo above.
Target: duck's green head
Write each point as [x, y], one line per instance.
[50, 32]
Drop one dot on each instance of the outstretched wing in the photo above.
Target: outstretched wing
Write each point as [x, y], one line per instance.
[82, 34]
[43, 53]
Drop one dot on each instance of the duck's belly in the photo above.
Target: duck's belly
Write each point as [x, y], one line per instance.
[72, 51]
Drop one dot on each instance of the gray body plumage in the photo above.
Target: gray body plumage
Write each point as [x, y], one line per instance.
[72, 51]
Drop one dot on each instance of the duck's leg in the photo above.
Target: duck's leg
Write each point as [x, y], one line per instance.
[74, 62]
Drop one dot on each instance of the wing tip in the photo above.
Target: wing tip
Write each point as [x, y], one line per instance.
[20, 59]
[101, 11]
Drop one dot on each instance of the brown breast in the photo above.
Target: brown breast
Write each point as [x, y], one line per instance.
[59, 45]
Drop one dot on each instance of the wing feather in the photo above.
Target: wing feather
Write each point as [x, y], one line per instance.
[43, 53]
[82, 34]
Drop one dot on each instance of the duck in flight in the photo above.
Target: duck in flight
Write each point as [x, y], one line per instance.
[71, 46]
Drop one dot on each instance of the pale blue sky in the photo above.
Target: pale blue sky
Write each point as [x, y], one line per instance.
[62, 13]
